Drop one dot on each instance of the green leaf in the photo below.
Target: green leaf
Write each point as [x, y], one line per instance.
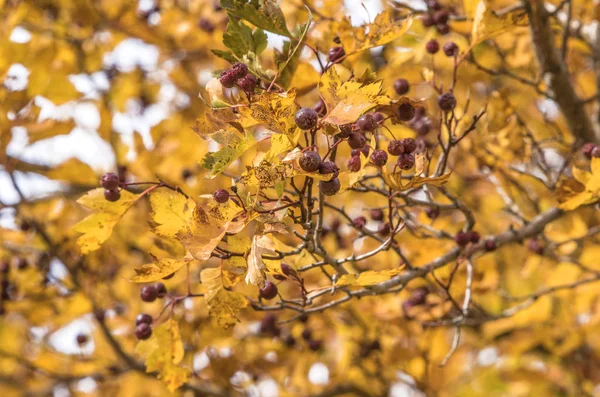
[234, 146]
[264, 14]
[288, 60]
[240, 39]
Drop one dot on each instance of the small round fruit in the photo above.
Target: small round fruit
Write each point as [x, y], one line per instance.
[206, 25]
[110, 181]
[406, 112]
[359, 222]
[462, 239]
[419, 295]
[331, 187]
[395, 147]
[336, 54]
[345, 130]
[450, 49]
[306, 118]
[143, 331]
[240, 69]
[4, 268]
[315, 345]
[379, 117]
[535, 245]
[379, 157]
[161, 290]
[289, 341]
[81, 339]
[268, 291]
[328, 167]
[474, 237]
[432, 46]
[22, 264]
[228, 78]
[427, 20]
[221, 196]
[112, 195]
[596, 152]
[143, 318]
[309, 161]
[406, 161]
[433, 5]
[366, 122]
[248, 83]
[432, 212]
[447, 101]
[354, 164]
[401, 86]
[287, 269]
[357, 140]
[384, 229]
[409, 144]
[440, 17]
[148, 293]
[443, 29]
[490, 245]
[320, 107]
[587, 149]
[356, 152]
[377, 214]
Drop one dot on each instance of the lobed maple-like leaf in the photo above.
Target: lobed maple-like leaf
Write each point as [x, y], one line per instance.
[583, 190]
[223, 305]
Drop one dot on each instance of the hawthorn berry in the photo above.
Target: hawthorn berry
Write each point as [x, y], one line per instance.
[406, 112]
[450, 49]
[377, 214]
[328, 167]
[359, 222]
[330, 187]
[268, 291]
[289, 341]
[345, 130]
[99, 314]
[587, 148]
[248, 83]
[379, 157]
[596, 152]
[161, 290]
[419, 295]
[366, 122]
[395, 147]
[427, 20]
[443, 29]
[356, 152]
[447, 101]
[240, 69]
[228, 78]
[422, 126]
[401, 86]
[384, 229]
[268, 324]
[110, 181]
[320, 107]
[441, 17]
[4, 268]
[535, 245]
[474, 237]
[309, 161]
[112, 195]
[287, 269]
[148, 293]
[143, 318]
[432, 46]
[357, 140]
[143, 331]
[306, 118]
[81, 339]
[354, 164]
[22, 264]
[433, 5]
[336, 54]
[379, 117]
[206, 25]
[307, 334]
[462, 238]
[221, 196]
[315, 345]
[432, 212]
[406, 161]
[490, 245]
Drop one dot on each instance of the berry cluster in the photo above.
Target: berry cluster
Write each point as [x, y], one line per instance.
[111, 182]
[143, 326]
[149, 293]
[436, 16]
[404, 149]
[238, 74]
[417, 298]
[463, 238]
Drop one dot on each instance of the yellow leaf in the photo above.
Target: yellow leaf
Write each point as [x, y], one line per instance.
[164, 351]
[488, 23]
[584, 189]
[394, 180]
[275, 111]
[348, 100]
[234, 145]
[262, 244]
[98, 227]
[382, 31]
[74, 171]
[370, 277]
[156, 271]
[204, 233]
[171, 211]
[223, 305]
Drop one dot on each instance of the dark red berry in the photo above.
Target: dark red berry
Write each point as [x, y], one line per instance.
[143, 331]
[409, 144]
[248, 83]
[596, 152]
[221, 196]
[432, 212]
[419, 295]
[474, 237]
[356, 152]
[443, 29]
[22, 264]
[406, 112]
[315, 345]
[366, 122]
[447, 101]
[328, 167]
[535, 245]
[433, 5]
[112, 195]
[384, 229]
[239, 69]
[401, 86]
[148, 293]
[186, 173]
[110, 181]
[287, 269]
[4, 268]
[379, 117]
[379, 157]
[306, 118]
[432, 46]
[289, 341]
[450, 49]
[440, 17]
[279, 277]
[354, 164]
[81, 339]
[377, 214]
[422, 126]
[143, 318]
[320, 108]
[336, 54]
[357, 140]
[228, 78]
[99, 314]
[462, 239]
[206, 25]
[306, 334]
[345, 130]
[268, 291]
[268, 324]
[395, 147]
[25, 225]
[490, 245]
[309, 161]
[331, 187]
[587, 148]
[161, 290]
[406, 161]
[359, 222]
[427, 20]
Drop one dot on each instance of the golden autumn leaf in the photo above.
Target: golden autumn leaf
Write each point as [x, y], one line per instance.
[394, 180]
[583, 190]
[261, 245]
[98, 227]
[223, 305]
[164, 351]
[273, 110]
[234, 144]
[488, 23]
[171, 211]
[370, 277]
[156, 271]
